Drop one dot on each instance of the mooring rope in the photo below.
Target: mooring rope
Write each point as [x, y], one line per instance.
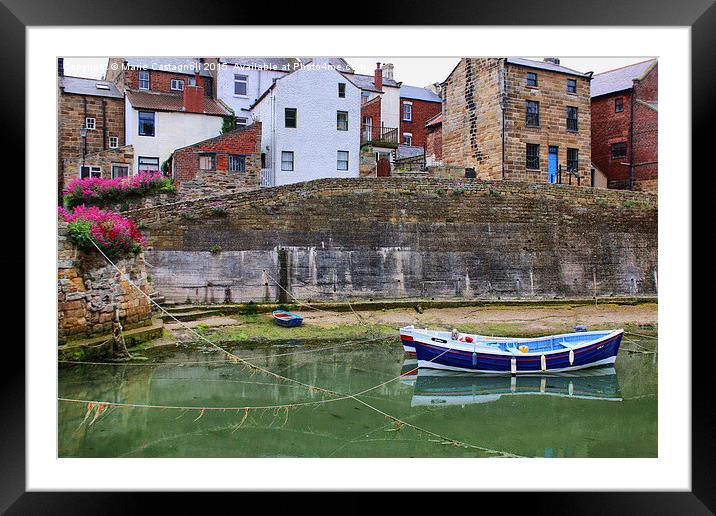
[240, 360]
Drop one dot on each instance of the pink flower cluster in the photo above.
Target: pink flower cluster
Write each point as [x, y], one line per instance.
[97, 190]
[114, 234]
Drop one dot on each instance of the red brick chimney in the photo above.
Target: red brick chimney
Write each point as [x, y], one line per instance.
[378, 77]
[194, 97]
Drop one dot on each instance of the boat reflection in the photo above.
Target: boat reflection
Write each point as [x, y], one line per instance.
[436, 387]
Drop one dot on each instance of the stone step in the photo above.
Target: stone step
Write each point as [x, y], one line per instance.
[189, 316]
[101, 345]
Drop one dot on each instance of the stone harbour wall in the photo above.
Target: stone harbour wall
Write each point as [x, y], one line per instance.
[373, 238]
[88, 288]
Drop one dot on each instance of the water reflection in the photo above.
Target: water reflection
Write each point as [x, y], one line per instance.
[436, 387]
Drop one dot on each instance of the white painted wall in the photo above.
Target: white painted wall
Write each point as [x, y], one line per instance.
[258, 82]
[315, 141]
[390, 107]
[172, 130]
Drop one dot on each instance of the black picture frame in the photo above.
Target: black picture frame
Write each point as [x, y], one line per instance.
[16, 15]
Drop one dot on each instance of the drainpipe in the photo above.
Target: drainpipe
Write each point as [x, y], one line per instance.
[273, 139]
[104, 124]
[631, 141]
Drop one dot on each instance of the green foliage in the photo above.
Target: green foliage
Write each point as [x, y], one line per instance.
[80, 232]
[628, 203]
[188, 215]
[602, 202]
[440, 191]
[142, 225]
[494, 193]
[228, 124]
[215, 249]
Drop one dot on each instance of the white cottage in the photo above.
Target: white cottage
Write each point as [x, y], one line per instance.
[310, 125]
[158, 122]
[240, 81]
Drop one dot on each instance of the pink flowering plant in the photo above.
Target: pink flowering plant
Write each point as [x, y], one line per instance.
[99, 191]
[116, 236]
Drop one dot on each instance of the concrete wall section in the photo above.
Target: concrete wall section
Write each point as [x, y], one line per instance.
[364, 238]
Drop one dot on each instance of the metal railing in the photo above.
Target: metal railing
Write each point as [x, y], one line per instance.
[378, 134]
[569, 173]
[267, 177]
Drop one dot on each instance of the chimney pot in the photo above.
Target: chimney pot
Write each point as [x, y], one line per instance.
[61, 66]
[378, 79]
[553, 60]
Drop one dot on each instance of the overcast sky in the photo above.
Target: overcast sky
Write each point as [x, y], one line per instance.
[416, 71]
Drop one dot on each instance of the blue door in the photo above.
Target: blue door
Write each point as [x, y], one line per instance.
[552, 164]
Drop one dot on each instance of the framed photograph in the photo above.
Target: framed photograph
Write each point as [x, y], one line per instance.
[427, 257]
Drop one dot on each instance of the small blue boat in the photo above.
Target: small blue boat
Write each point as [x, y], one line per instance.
[287, 319]
[480, 354]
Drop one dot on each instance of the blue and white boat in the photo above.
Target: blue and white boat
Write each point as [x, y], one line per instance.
[480, 354]
[287, 319]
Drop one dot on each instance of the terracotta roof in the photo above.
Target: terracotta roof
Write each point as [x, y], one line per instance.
[437, 119]
[620, 78]
[170, 102]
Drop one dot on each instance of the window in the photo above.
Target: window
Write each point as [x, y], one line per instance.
[619, 104]
[573, 160]
[177, 85]
[146, 123]
[120, 170]
[90, 123]
[342, 160]
[572, 124]
[241, 121]
[532, 117]
[237, 163]
[407, 111]
[619, 150]
[87, 171]
[408, 138]
[364, 97]
[207, 161]
[113, 142]
[532, 156]
[287, 161]
[291, 117]
[342, 90]
[241, 85]
[531, 79]
[192, 81]
[143, 79]
[571, 85]
[147, 164]
[342, 120]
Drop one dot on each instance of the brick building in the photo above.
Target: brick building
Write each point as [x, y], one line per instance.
[227, 163]
[518, 119]
[90, 130]
[169, 104]
[434, 140]
[417, 106]
[625, 125]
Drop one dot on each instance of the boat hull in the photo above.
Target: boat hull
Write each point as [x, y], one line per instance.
[287, 319]
[599, 353]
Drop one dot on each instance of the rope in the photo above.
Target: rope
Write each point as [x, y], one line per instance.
[311, 388]
[641, 335]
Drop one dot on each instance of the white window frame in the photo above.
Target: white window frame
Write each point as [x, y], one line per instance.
[92, 125]
[409, 135]
[141, 80]
[245, 80]
[211, 158]
[293, 161]
[179, 83]
[338, 127]
[139, 163]
[339, 161]
[239, 122]
[410, 117]
[238, 157]
[94, 171]
[116, 142]
[129, 169]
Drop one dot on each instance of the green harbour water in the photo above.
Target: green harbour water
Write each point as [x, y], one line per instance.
[191, 401]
